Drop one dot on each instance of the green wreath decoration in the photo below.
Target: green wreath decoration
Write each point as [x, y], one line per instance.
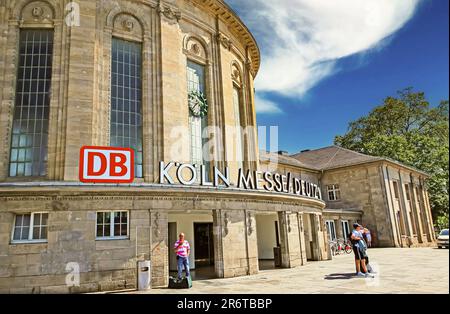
[198, 105]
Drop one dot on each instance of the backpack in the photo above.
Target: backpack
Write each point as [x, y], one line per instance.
[185, 283]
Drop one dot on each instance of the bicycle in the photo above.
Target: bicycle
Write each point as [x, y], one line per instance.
[347, 246]
[340, 246]
[333, 247]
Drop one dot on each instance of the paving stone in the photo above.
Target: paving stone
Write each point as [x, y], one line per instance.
[427, 272]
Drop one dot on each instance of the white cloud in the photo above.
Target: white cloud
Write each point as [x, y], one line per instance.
[301, 40]
[266, 106]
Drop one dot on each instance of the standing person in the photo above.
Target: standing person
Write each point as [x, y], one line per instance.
[367, 237]
[183, 250]
[359, 248]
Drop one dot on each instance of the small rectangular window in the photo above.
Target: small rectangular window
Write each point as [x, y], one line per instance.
[30, 228]
[407, 192]
[112, 225]
[419, 197]
[334, 192]
[396, 191]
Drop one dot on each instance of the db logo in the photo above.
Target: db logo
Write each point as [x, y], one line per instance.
[106, 165]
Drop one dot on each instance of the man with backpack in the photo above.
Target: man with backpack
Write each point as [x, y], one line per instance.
[360, 250]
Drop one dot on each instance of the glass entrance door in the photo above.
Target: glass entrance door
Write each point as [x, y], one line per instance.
[204, 244]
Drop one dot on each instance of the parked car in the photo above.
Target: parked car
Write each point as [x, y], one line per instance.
[442, 240]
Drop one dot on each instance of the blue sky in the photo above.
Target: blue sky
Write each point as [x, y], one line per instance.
[407, 46]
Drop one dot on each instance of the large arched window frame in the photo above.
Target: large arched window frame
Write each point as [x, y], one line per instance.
[198, 80]
[34, 92]
[126, 118]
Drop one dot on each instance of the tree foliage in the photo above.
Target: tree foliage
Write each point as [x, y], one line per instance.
[408, 129]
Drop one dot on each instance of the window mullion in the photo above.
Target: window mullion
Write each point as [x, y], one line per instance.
[30, 230]
[111, 226]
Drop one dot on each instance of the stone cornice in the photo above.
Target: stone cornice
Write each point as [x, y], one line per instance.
[65, 191]
[225, 12]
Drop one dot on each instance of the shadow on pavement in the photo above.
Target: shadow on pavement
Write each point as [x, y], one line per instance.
[340, 276]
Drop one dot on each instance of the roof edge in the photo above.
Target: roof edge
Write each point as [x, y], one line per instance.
[380, 159]
[375, 159]
[251, 42]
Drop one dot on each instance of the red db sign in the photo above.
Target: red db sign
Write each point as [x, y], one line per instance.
[106, 165]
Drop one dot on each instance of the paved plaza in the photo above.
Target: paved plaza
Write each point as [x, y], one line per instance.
[399, 271]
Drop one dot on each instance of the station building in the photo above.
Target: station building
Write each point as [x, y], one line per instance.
[152, 76]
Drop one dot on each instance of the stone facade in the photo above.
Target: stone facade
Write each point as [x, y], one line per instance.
[368, 195]
[111, 265]
[171, 33]
[387, 197]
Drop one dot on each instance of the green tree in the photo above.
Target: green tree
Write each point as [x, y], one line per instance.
[408, 129]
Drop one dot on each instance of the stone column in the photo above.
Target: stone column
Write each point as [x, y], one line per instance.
[236, 249]
[395, 228]
[80, 92]
[339, 230]
[321, 238]
[9, 61]
[302, 239]
[252, 243]
[218, 234]
[159, 250]
[291, 252]
[415, 201]
[428, 223]
[429, 214]
[57, 120]
[404, 210]
[172, 105]
[150, 122]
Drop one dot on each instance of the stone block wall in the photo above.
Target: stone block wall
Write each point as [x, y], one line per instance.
[291, 250]
[238, 247]
[71, 246]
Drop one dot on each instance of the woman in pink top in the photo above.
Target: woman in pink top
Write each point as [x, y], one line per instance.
[183, 250]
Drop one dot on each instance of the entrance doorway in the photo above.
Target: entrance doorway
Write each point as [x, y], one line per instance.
[198, 229]
[331, 228]
[204, 244]
[173, 237]
[345, 229]
[268, 237]
[311, 237]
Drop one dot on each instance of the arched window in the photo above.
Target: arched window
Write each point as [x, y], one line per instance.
[196, 83]
[126, 126]
[197, 79]
[29, 141]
